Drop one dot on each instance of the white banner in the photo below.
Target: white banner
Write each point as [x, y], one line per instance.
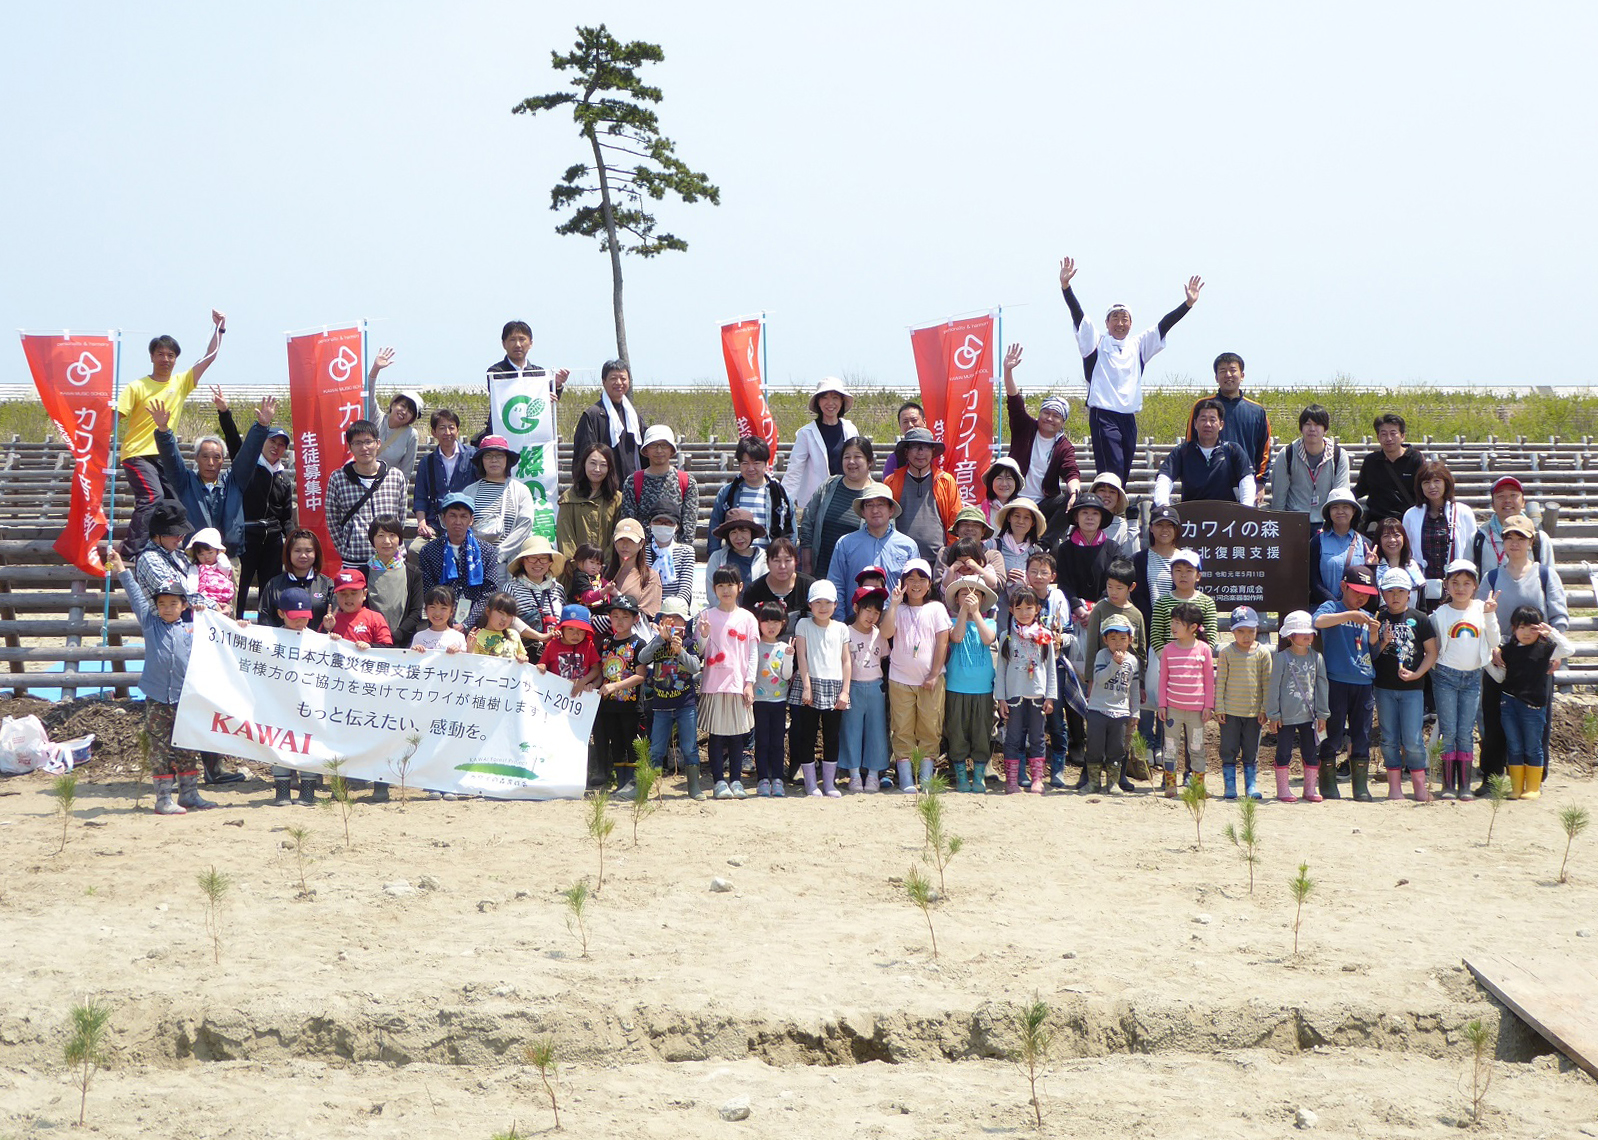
[467, 723]
[522, 409]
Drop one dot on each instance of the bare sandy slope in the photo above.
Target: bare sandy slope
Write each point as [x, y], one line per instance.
[1180, 1008]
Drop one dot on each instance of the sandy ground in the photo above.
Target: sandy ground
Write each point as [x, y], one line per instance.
[435, 947]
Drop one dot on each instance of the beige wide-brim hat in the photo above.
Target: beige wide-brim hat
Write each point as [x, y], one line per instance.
[1001, 517]
[831, 384]
[538, 544]
[972, 582]
[876, 491]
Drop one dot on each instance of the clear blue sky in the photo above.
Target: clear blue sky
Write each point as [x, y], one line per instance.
[1399, 192]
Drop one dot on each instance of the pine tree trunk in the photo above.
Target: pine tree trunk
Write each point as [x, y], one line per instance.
[615, 250]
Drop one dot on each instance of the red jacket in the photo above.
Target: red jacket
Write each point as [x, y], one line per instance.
[945, 492]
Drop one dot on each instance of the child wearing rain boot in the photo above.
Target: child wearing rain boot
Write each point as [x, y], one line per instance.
[773, 674]
[1296, 702]
[1467, 633]
[1243, 669]
[864, 725]
[294, 613]
[1533, 651]
[1113, 697]
[670, 667]
[919, 627]
[968, 707]
[1187, 691]
[1346, 632]
[821, 693]
[168, 640]
[1406, 649]
[1026, 687]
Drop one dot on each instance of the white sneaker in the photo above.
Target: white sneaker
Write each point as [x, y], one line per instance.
[722, 792]
[738, 792]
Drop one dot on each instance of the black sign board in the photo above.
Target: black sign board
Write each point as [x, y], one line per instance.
[1250, 557]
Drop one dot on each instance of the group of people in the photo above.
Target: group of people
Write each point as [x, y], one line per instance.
[880, 617]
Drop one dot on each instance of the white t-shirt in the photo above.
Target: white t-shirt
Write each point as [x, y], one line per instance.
[432, 640]
[1117, 384]
[1042, 452]
[823, 648]
[915, 636]
[866, 652]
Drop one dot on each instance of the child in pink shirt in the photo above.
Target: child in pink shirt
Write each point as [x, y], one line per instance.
[1187, 691]
[731, 639]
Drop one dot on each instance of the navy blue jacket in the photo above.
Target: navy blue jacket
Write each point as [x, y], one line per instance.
[229, 519]
[431, 486]
[1215, 478]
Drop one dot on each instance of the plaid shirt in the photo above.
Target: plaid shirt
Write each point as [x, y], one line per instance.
[344, 490]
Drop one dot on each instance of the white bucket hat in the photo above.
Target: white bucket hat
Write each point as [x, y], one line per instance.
[831, 384]
[1297, 622]
[660, 433]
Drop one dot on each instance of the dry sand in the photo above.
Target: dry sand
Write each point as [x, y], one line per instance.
[809, 987]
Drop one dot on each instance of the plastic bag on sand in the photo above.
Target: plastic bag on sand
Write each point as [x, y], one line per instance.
[24, 745]
[67, 755]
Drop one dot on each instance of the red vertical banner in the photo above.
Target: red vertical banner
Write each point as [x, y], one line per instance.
[326, 378]
[740, 348]
[954, 363]
[76, 377]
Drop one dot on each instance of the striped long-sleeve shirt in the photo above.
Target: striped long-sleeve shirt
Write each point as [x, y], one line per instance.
[1187, 677]
[1160, 633]
[1241, 679]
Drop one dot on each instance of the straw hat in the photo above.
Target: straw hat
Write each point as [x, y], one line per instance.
[538, 544]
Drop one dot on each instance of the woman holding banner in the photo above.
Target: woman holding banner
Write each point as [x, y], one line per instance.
[830, 513]
[818, 446]
[502, 507]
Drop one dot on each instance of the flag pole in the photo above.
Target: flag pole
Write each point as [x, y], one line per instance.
[765, 375]
[116, 438]
[998, 392]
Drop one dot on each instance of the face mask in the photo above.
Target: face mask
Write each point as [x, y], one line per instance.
[664, 535]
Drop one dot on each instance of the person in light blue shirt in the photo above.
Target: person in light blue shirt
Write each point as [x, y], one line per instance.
[878, 543]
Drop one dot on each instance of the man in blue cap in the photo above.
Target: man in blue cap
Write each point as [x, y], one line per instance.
[455, 559]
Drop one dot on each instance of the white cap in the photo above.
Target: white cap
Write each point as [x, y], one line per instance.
[822, 590]
[1190, 556]
[1462, 566]
[1395, 579]
[1297, 622]
[913, 565]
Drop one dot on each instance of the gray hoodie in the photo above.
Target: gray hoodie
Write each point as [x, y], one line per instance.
[1026, 669]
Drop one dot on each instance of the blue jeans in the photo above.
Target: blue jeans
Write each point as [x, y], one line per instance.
[1458, 695]
[1523, 730]
[863, 729]
[687, 721]
[1402, 713]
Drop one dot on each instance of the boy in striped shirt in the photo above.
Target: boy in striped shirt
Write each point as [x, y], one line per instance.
[1242, 670]
[1187, 690]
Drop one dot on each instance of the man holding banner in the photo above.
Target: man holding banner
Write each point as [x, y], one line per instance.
[139, 456]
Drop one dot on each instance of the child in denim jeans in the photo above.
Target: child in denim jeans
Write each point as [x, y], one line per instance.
[1534, 650]
[1026, 689]
[1467, 634]
[670, 667]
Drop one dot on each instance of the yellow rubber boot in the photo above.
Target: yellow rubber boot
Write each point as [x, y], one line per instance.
[1517, 780]
[1533, 786]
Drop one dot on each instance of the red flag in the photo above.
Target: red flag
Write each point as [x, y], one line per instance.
[954, 362]
[740, 347]
[75, 377]
[326, 378]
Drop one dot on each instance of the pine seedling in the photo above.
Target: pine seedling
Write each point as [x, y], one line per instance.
[84, 1051]
[1302, 887]
[646, 780]
[576, 897]
[1034, 1038]
[1497, 796]
[1196, 797]
[641, 760]
[1574, 820]
[214, 885]
[1139, 750]
[512, 1134]
[541, 1055]
[299, 836]
[919, 888]
[65, 790]
[142, 771]
[338, 795]
[600, 825]
[944, 847]
[401, 765]
[1481, 1067]
[1245, 836]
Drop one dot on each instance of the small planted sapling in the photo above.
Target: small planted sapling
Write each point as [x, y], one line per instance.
[1574, 820]
[298, 837]
[541, 1055]
[600, 826]
[65, 790]
[1196, 797]
[214, 885]
[1302, 887]
[646, 780]
[1034, 1038]
[919, 888]
[1498, 792]
[142, 766]
[942, 845]
[338, 795]
[576, 897]
[401, 765]
[1245, 836]
[1481, 1066]
[84, 1051]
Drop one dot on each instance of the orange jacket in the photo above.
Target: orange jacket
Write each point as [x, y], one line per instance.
[945, 492]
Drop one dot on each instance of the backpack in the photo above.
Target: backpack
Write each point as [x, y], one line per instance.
[682, 488]
[1543, 571]
[1336, 451]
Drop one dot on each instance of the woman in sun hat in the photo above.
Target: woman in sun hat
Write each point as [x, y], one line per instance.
[1001, 482]
[502, 507]
[1119, 531]
[661, 483]
[533, 579]
[818, 446]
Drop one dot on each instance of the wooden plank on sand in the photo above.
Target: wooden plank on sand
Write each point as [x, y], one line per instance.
[1557, 1000]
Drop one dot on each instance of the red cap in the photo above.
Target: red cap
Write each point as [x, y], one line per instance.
[877, 570]
[865, 592]
[1507, 481]
[349, 580]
